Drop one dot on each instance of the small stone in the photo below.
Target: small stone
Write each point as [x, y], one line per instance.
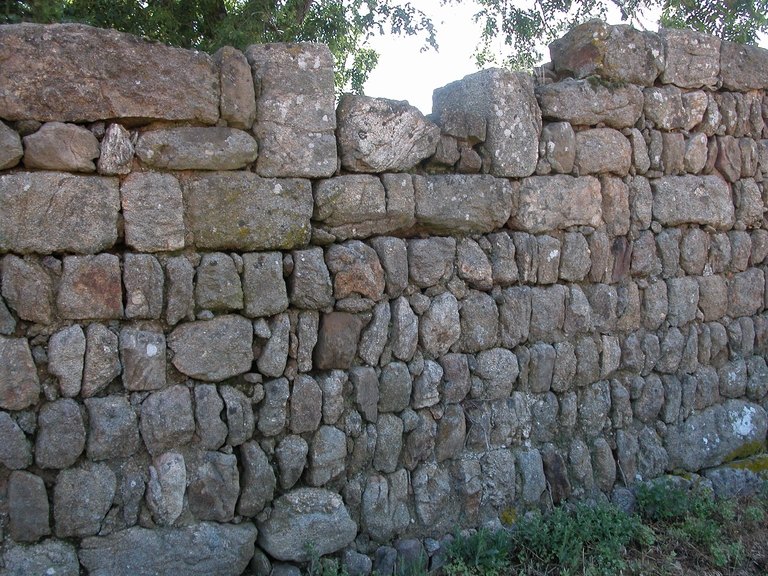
[214, 486]
[11, 150]
[116, 151]
[166, 487]
[142, 354]
[28, 507]
[217, 283]
[113, 428]
[310, 283]
[291, 454]
[27, 289]
[60, 435]
[82, 498]
[49, 557]
[102, 360]
[58, 146]
[240, 418]
[337, 341]
[180, 303]
[167, 419]
[274, 409]
[264, 289]
[143, 279]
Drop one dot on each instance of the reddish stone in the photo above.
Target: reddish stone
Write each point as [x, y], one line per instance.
[337, 341]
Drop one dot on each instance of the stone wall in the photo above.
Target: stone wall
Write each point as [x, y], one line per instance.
[234, 313]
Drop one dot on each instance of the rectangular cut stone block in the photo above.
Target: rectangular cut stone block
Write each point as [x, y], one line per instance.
[153, 212]
[743, 68]
[76, 73]
[48, 212]
[693, 58]
[558, 202]
[242, 211]
[693, 199]
[513, 120]
[295, 139]
[459, 203]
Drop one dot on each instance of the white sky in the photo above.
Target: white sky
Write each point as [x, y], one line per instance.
[405, 73]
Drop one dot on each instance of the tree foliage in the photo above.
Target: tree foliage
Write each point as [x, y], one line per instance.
[345, 25]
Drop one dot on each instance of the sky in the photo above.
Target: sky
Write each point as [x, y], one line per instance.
[405, 72]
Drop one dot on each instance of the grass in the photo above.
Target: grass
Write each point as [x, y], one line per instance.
[674, 531]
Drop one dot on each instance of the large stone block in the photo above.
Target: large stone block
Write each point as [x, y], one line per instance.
[76, 73]
[462, 204]
[82, 498]
[692, 58]
[743, 68]
[49, 557]
[295, 140]
[154, 212]
[693, 199]
[615, 53]
[77, 213]
[715, 435]
[507, 102]
[213, 350]
[197, 148]
[558, 202]
[242, 211]
[591, 101]
[601, 150]
[380, 135]
[197, 550]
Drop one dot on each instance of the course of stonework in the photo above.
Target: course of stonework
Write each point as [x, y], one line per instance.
[244, 325]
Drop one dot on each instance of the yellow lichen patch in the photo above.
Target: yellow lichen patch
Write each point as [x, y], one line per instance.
[747, 450]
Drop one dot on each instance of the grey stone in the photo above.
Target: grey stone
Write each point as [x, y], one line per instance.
[264, 291]
[180, 303]
[473, 265]
[451, 433]
[199, 549]
[90, 288]
[113, 428]
[380, 135]
[733, 379]
[664, 107]
[217, 283]
[549, 259]
[27, 289]
[757, 384]
[213, 350]
[692, 58]
[683, 298]
[274, 355]
[78, 213]
[82, 498]
[306, 404]
[374, 337]
[708, 438]
[294, 140]
[743, 67]
[310, 283]
[498, 369]
[214, 486]
[166, 487]
[327, 454]
[640, 159]
[116, 151]
[167, 420]
[306, 515]
[332, 386]
[196, 148]
[547, 311]
[238, 96]
[306, 332]
[512, 129]
[459, 203]
[430, 260]
[405, 330]
[439, 327]
[615, 53]
[291, 454]
[389, 443]
[731, 482]
[15, 452]
[502, 257]
[102, 360]
[112, 83]
[740, 249]
[603, 464]
[692, 199]
[647, 406]
[11, 150]
[645, 261]
[436, 506]
[713, 297]
[394, 387]
[532, 470]
[153, 211]
[393, 257]
[426, 386]
[7, 321]
[574, 257]
[66, 351]
[694, 250]
[56, 555]
[745, 292]
[479, 323]
[558, 202]
[58, 146]
[728, 161]
[602, 150]
[28, 508]
[515, 315]
[208, 407]
[748, 202]
[385, 513]
[557, 146]
[274, 408]
[143, 280]
[420, 438]
[615, 206]
[695, 156]
[60, 434]
[578, 312]
[356, 270]
[142, 354]
[240, 418]
[225, 210]
[356, 564]
[590, 102]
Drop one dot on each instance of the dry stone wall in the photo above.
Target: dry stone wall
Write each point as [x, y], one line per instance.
[240, 325]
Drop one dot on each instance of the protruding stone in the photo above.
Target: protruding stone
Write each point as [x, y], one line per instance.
[295, 140]
[692, 58]
[692, 199]
[306, 515]
[743, 68]
[58, 146]
[213, 350]
[11, 150]
[439, 327]
[291, 454]
[310, 283]
[602, 150]
[380, 135]
[116, 151]
[264, 290]
[214, 486]
[337, 341]
[78, 213]
[217, 283]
